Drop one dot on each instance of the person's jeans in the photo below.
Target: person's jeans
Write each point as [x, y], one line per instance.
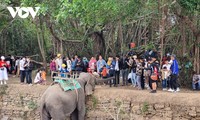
[125, 76]
[133, 78]
[174, 81]
[116, 80]
[138, 78]
[111, 72]
[164, 83]
[196, 86]
[28, 77]
[22, 75]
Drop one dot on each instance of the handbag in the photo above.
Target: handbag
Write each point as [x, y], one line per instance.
[154, 75]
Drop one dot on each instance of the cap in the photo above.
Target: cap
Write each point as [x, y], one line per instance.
[168, 54]
[63, 65]
[135, 56]
[173, 55]
[58, 55]
[2, 58]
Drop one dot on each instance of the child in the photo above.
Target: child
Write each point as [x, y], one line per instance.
[43, 77]
[165, 76]
[38, 77]
[63, 71]
[195, 83]
[104, 72]
[139, 72]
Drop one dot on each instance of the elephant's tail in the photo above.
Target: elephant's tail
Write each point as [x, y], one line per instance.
[44, 114]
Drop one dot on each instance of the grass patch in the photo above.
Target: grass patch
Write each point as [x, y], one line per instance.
[94, 101]
[3, 89]
[32, 105]
[145, 107]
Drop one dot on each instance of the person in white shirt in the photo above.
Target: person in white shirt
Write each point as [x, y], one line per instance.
[69, 64]
[17, 67]
[3, 71]
[38, 77]
[165, 75]
[22, 70]
[59, 62]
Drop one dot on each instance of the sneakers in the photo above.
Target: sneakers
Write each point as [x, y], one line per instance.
[178, 89]
[164, 89]
[170, 90]
[175, 91]
[147, 86]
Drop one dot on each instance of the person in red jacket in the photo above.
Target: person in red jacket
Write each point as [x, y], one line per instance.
[3, 71]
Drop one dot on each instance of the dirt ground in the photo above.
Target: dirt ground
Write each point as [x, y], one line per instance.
[185, 96]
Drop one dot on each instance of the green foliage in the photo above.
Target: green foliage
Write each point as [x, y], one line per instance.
[190, 6]
[145, 107]
[94, 101]
[32, 105]
[25, 38]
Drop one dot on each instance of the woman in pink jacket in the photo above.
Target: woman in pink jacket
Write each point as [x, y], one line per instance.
[92, 64]
[53, 68]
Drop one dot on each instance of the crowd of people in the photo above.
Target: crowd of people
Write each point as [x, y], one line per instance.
[141, 71]
[21, 67]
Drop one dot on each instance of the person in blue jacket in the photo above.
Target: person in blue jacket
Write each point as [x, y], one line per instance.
[174, 72]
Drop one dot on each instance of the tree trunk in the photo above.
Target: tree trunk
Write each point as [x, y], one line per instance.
[40, 38]
[99, 43]
[120, 35]
[197, 56]
[162, 31]
[183, 32]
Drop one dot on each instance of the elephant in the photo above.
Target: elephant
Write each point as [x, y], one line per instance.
[57, 104]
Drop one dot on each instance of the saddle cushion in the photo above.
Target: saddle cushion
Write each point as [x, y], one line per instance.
[70, 84]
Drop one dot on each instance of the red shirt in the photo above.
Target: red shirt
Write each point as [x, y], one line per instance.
[104, 72]
[3, 64]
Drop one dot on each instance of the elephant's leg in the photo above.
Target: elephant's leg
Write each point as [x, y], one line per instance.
[81, 110]
[44, 117]
[59, 116]
[44, 113]
[74, 115]
[81, 113]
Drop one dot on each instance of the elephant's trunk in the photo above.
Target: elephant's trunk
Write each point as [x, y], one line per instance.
[88, 90]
